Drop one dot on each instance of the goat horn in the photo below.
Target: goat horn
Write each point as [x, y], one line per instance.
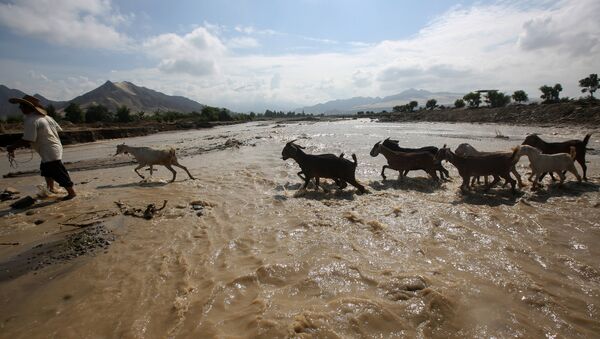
[291, 142]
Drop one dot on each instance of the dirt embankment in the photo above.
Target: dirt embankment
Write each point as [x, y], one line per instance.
[75, 134]
[572, 113]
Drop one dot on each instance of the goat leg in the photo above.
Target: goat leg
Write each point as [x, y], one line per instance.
[383, 171]
[341, 183]
[514, 171]
[493, 183]
[300, 175]
[138, 173]
[317, 184]
[172, 171]
[354, 183]
[185, 169]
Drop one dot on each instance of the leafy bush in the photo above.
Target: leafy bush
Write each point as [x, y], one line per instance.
[124, 114]
[551, 94]
[473, 99]
[431, 104]
[520, 96]
[589, 84]
[74, 113]
[98, 113]
[459, 103]
[497, 99]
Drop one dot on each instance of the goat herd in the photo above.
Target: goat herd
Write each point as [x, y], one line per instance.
[544, 157]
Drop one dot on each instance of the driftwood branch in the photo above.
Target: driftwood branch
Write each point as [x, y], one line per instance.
[147, 214]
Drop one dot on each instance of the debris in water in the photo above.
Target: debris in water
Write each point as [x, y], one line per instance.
[147, 214]
[9, 193]
[23, 202]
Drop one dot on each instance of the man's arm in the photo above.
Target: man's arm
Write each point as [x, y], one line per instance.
[18, 144]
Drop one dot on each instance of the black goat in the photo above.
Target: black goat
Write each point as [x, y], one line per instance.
[561, 147]
[330, 166]
[394, 146]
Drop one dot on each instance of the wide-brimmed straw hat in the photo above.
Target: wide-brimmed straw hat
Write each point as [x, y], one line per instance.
[30, 101]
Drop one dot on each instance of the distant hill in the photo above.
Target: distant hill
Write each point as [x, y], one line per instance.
[115, 94]
[377, 104]
[111, 95]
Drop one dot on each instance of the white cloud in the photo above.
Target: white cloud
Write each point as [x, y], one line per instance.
[75, 23]
[242, 42]
[195, 53]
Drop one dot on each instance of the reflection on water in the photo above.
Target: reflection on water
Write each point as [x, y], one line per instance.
[409, 259]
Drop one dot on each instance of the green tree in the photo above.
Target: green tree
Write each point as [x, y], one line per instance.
[51, 111]
[211, 113]
[589, 84]
[459, 103]
[412, 105]
[124, 114]
[398, 109]
[224, 115]
[520, 96]
[96, 113]
[497, 99]
[473, 99]
[74, 113]
[551, 94]
[431, 104]
[140, 115]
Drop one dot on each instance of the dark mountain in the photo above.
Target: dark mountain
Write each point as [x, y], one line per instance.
[115, 94]
[7, 109]
[377, 104]
[111, 95]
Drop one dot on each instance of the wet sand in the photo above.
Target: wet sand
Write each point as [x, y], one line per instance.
[264, 259]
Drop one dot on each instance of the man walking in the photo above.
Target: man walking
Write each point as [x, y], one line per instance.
[40, 132]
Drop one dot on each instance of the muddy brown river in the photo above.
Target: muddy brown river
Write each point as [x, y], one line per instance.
[255, 256]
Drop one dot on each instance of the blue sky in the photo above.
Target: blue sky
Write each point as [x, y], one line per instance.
[254, 55]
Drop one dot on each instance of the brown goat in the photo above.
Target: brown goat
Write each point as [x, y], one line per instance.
[495, 164]
[402, 161]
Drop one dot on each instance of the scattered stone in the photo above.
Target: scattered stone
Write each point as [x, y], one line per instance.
[180, 206]
[199, 213]
[31, 212]
[39, 221]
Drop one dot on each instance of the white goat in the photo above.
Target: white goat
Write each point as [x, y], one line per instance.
[542, 163]
[466, 150]
[146, 156]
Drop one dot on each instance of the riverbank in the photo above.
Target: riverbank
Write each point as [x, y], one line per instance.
[571, 113]
[75, 134]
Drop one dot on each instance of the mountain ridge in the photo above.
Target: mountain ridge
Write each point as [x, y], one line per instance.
[356, 104]
[110, 94]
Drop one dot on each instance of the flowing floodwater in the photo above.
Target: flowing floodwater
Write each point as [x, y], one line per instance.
[264, 259]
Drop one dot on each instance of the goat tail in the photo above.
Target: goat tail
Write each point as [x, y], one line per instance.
[587, 138]
[514, 157]
[354, 158]
[573, 152]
